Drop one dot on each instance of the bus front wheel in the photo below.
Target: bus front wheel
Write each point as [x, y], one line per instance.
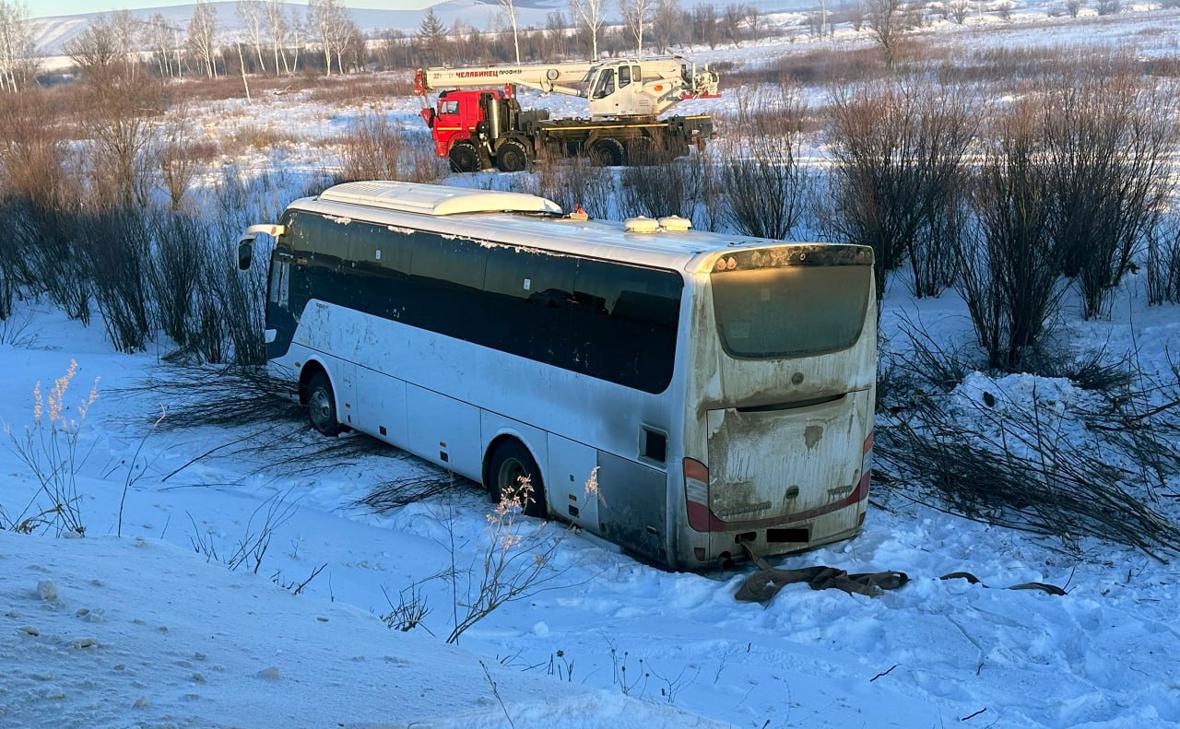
[321, 405]
[510, 467]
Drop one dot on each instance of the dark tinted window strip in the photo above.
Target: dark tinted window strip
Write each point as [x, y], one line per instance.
[612, 321]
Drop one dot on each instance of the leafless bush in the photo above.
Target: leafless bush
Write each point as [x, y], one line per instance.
[115, 244]
[1011, 466]
[1108, 7]
[671, 188]
[394, 494]
[898, 152]
[765, 186]
[371, 150]
[1007, 267]
[250, 549]
[118, 124]
[419, 163]
[178, 157]
[218, 396]
[409, 612]
[517, 562]
[1163, 264]
[576, 182]
[1109, 138]
[176, 265]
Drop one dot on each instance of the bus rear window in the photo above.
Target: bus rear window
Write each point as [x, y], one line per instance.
[792, 311]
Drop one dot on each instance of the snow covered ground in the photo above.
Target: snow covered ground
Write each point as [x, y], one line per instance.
[147, 631]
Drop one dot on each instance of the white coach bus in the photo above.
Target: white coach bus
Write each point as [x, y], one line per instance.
[721, 388]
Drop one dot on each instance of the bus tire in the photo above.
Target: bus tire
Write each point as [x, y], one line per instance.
[464, 157]
[511, 156]
[608, 152]
[508, 463]
[321, 405]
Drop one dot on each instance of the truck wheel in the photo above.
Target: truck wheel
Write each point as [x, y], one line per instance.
[608, 152]
[464, 157]
[512, 156]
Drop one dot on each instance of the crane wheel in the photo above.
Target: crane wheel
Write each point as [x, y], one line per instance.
[511, 156]
[464, 157]
[608, 152]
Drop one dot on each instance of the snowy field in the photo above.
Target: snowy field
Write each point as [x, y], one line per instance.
[144, 629]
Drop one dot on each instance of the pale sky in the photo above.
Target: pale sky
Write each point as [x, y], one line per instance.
[42, 8]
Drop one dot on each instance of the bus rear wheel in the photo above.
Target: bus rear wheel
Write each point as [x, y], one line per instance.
[509, 467]
[464, 157]
[321, 405]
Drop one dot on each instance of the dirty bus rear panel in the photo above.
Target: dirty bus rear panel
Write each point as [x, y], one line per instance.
[782, 373]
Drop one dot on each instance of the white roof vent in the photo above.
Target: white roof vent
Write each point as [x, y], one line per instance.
[411, 197]
[641, 224]
[675, 224]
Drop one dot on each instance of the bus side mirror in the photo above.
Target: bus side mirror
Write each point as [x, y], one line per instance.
[245, 252]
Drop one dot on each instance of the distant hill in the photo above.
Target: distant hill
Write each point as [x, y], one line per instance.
[52, 34]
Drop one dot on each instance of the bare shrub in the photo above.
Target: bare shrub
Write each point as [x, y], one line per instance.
[178, 157]
[1109, 139]
[1007, 267]
[1163, 264]
[249, 550]
[1108, 7]
[1010, 466]
[115, 244]
[765, 186]
[176, 265]
[118, 122]
[419, 162]
[517, 562]
[372, 150]
[898, 153]
[671, 188]
[576, 182]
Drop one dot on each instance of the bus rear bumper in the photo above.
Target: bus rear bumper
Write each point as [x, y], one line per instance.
[788, 537]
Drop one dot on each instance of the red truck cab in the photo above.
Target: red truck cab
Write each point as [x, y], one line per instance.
[456, 117]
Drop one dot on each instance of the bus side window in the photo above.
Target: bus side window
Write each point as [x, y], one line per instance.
[527, 300]
[624, 76]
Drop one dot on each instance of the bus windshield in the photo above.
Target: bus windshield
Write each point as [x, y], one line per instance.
[790, 311]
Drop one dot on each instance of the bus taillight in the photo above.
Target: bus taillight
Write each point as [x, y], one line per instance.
[696, 494]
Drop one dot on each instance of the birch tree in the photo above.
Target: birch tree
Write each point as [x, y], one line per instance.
[509, 7]
[252, 15]
[277, 26]
[636, 14]
[589, 14]
[202, 36]
[16, 45]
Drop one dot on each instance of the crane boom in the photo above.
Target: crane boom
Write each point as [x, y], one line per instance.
[625, 87]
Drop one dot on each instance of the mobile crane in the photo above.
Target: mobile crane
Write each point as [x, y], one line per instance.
[476, 127]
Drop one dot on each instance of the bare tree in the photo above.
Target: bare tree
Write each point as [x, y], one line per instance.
[636, 14]
[666, 23]
[886, 23]
[277, 27]
[17, 62]
[252, 13]
[589, 14]
[1108, 7]
[509, 8]
[959, 10]
[202, 36]
[1074, 7]
[754, 22]
[705, 28]
[731, 21]
[333, 28]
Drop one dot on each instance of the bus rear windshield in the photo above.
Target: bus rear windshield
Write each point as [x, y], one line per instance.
[793, 311]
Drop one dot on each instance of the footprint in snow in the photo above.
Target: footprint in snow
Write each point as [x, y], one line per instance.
[270, 673]
[91, 616]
